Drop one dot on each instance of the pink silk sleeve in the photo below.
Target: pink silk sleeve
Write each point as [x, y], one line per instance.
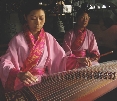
[10, 83]
[93, 49]
[9, 66]
[71, 62]
[57, 61]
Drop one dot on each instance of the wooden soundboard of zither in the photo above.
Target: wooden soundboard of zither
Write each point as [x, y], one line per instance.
[74, 85]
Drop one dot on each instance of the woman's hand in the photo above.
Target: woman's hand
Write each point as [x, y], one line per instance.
[85, 61]
[26, 77]
[95, 58]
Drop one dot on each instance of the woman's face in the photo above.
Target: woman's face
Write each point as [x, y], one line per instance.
[82, 21]
[35, 20]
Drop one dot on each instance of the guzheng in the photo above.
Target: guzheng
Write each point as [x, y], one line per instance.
[84, 84]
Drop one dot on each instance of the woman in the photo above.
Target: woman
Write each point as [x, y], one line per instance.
[80, 41]
[31, 53]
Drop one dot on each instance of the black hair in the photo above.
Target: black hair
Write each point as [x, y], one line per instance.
[84, 9]
[27, 7]
[80, 12]
[31, 5]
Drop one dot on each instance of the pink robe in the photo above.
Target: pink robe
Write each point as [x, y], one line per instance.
[89, 43]
[53, 58]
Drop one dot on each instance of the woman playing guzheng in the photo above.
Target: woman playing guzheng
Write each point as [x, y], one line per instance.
[32, 53]
[80, 41]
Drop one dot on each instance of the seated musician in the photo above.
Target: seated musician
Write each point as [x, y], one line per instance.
[80, 41]
[32, 53]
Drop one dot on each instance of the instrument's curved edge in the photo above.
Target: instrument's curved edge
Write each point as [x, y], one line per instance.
[99, 92]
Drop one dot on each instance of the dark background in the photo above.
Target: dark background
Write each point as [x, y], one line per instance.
[57, 23]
